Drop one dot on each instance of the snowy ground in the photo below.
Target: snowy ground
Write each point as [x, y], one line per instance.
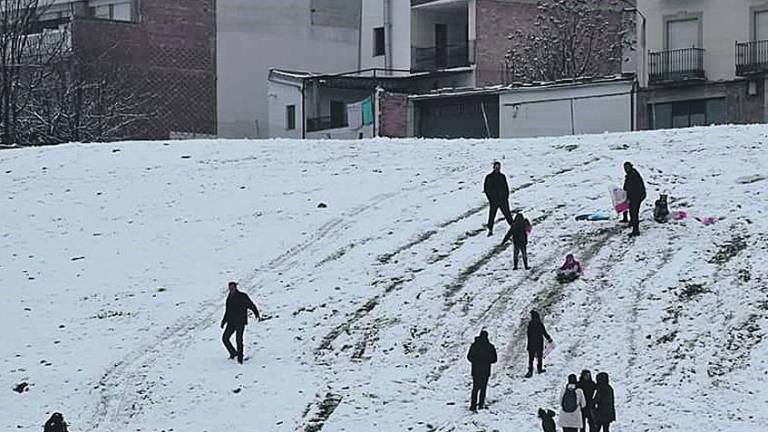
[114, 261]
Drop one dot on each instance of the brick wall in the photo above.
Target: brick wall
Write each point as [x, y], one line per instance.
[393, 120]
[168, 57]
[495, 20]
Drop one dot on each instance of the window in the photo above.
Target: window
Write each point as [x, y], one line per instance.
[761, 25]
[115, 10]
[701, 112]
[682, 34]
[378, 42]
[290, 117]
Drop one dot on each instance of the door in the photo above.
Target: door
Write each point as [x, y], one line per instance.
[441, 45]
[682, 35]
[338, 109]
[761, 25]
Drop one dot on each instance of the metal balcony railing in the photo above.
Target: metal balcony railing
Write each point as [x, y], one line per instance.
[324, 123]
[442, 57]
[751, 58]
[676, 65]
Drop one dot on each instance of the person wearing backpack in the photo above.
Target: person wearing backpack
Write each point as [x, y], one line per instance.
[536, 334]
[603, 408]
[588, 387]
[482, 354]
[571, 403]
[55, 424]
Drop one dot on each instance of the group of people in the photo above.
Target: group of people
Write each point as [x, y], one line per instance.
[585, 405]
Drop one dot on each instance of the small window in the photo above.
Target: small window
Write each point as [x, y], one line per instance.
[378, 42]
[290, 117]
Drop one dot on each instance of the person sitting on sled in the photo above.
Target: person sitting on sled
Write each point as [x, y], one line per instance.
[570, 271]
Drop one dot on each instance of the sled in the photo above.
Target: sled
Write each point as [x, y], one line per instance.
[593, 217]
[619, 200]
[548, 348]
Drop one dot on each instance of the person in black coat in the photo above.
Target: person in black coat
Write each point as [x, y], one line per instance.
[519, 234]
[55, 424]
[482, 354]
[603, 408]
[536, 334]
[588, 387]
[236, 318]
[497, 192]
[547, 420]
[635, 188]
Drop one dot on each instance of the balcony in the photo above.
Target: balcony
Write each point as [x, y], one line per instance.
[324, 123]
[751, 58]
[442, 57]
[677, 65]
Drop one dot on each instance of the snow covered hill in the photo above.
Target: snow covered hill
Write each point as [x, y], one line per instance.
[114, 261]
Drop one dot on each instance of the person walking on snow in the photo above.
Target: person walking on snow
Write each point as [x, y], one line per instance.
[519, 234]
[497, 192]
[236, 318]
[571, 403]
[482, 354]
[588, 387]
[536, 334]
[635, 188]
[603, 408]
[55, 424]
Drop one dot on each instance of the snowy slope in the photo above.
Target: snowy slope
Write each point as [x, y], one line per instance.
[114, 261]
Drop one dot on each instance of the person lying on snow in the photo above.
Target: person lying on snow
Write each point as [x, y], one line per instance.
[570, 271]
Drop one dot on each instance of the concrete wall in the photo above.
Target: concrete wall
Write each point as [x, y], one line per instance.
[578, 109]
[281, 94]
[722, 23]
[256, 35]
[399, 52]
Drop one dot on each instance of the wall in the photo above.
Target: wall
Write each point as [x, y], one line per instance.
[254, 36]
[566, 110]
[372, 17]
[167, 58]
[495, 20]
[393, 115]
[279, 95]
[723, 23]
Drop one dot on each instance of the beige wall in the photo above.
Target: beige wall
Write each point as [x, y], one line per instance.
[723, 22]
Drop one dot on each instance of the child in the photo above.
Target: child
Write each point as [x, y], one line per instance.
[519, 231]
[547, 420]
[570, 271]
[661, 209]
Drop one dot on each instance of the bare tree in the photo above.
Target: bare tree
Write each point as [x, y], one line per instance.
[569, 39]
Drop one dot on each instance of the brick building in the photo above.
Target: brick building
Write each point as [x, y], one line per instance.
[161, 51]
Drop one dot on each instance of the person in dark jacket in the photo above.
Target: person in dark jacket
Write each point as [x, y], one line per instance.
[536, 334]
[603, 409]
[635, 188]
[55, 424]
[519, 234]
[497, 192]
[588, 387]
[547, 420]
[236, 318]
[482, 354]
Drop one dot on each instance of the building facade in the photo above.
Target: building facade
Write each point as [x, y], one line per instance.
[706, 62]
[162, 52]
[254, 36]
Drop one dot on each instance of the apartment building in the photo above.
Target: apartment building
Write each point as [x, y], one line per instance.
[164, 49]
[706, 62]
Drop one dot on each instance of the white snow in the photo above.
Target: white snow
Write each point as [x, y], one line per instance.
[114, 261]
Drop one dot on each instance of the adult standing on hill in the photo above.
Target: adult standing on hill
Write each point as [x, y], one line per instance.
[603, 408]
[236, 318]
[482, 354]
[571, 403]
[635, 188]
[497, 191]
[587, 386]
[536, 334]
